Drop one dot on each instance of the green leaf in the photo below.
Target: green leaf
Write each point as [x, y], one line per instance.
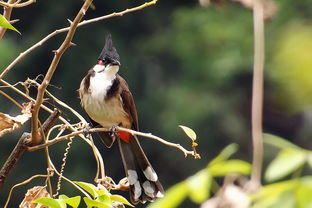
[94, 203]
[303, 192]
[225, 154]
[6, 24]
[230, 166]
[286, 162]
[266, 196]
[73, 201]
[53, 203]
[199, 186]
[189, 132]
[121, 199]
[279, 142]
[88, 187]
[102, 191]
[104, 199]
[285, 200]
[173, 197]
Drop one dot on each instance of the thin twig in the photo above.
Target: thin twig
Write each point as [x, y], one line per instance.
[21, 146]
[22, 183]
[96, 152]
[17, 4]
[151, 136]
[57, 56]
[11, 99]
[85, 22]
[257, 95]
[147, 135]
[7, 15]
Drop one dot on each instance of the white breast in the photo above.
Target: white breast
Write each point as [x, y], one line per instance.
[107, 112]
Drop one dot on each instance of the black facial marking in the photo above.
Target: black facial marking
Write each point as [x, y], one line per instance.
[90, 74]
[113, 90]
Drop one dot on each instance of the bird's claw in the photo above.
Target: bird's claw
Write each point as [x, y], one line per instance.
[86, 130]
[113, 129]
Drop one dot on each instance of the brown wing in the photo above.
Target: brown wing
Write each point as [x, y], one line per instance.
[128, 103]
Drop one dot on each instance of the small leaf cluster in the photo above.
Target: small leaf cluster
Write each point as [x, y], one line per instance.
[99, 197]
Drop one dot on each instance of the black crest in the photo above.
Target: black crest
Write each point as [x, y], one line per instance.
[109, 51]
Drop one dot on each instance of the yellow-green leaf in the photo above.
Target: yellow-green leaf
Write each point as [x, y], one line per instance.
[199, 186]
[53, 203]
[6, 24]
[173, 197]
[189, 132]
[73, 201]
[121, 199]
[230, 166]
[286, 162]
[90, 188]
[225, 154]
[94, 203]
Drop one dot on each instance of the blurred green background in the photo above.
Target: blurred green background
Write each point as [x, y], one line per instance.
[185, 64]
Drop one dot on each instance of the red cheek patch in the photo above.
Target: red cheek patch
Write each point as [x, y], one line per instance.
[125, 136]
[100, 62]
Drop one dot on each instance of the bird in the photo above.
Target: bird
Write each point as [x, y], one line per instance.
[106, 98]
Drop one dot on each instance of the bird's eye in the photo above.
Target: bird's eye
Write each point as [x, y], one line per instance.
[107, 61]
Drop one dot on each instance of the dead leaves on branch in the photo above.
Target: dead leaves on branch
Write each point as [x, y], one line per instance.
[9, 123]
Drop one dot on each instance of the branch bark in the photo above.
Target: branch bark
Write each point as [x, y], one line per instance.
[23, 143]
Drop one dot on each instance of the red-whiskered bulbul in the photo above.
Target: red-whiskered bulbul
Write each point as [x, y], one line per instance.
[106, 98]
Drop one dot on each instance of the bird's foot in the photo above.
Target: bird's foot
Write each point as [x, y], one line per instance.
[86, 130]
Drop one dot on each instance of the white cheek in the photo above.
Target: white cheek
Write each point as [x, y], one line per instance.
[98, 68]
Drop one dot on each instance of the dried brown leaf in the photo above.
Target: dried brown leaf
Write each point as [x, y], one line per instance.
[9, 123]
[33, 194]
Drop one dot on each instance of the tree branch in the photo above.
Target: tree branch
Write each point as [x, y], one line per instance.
[147, 135]
[7, 15]
[58, 54]
[21, 146]
[17, 4]
[257, 96]
[85, 22]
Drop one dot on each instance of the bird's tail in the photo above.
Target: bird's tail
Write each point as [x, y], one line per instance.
[143, 180]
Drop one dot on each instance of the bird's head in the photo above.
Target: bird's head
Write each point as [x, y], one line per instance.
[108, 60]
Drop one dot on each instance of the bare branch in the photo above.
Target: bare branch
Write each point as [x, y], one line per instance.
[257, 96]
[21, 146]
[7, 15]
[96, 152]
[17, 4]
[151, 136]
[85, 22]
[18, 151]
[41, 90]
[147, 135]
